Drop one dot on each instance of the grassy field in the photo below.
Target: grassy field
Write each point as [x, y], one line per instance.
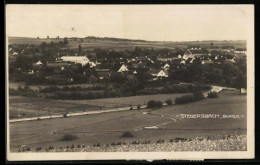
[89, 44]
[108, 127]
[31, 107]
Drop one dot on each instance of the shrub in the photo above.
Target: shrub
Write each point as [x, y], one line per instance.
[138, 106]
[127, 135]
[153, 104]
[72, 146]
[198, 95]
[184, 99]
[212, 95]
[38, 148]
[168, 102]
[158, 104]
[68, 137]
[190, 98]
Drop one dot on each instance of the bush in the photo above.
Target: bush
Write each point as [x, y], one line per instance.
[65, 115]
[127, 135]
[38, 148]
[154, 104]
[198, 95]
[159, 104]
[190, 98]
[184, 99]
[68, 137]
[168, 102]
[151, 104]
[212, 95]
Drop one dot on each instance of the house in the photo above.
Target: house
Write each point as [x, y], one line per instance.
[158, 74]
[167, 57]
[192, 53]
[83, 60]
[123, 68]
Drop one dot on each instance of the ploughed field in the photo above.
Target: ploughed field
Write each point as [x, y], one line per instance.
[222, 116]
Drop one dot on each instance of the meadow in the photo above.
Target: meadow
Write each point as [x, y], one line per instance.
[107, 128]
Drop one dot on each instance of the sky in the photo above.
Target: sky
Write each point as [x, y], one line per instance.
[148, 22]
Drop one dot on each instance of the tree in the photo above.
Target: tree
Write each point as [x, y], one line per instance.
[131, 84]
[48, 37]
[65, 40]
[211, 44]
[93, 80]
[79, 48]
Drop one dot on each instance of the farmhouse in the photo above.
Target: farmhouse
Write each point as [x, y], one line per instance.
[192, 53]
[76, 59]
[158, 73]
[166, 57]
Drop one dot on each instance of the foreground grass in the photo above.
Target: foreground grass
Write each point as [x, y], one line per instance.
[228, 143]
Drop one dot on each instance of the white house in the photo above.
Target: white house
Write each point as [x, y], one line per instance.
[123, 68]
[191, 53]
[162, 74]
[158, 74]
[76, 59]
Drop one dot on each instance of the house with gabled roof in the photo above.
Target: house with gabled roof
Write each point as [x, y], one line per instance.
[123, 68]
[158, 74]
[192, 53]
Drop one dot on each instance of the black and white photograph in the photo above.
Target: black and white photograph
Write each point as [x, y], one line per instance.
[129, 82]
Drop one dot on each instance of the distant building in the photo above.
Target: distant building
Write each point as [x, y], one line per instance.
[76, 59]
[192, 53]
[167, 57]
[158, 74]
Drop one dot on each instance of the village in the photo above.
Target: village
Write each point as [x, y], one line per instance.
[72, 66]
